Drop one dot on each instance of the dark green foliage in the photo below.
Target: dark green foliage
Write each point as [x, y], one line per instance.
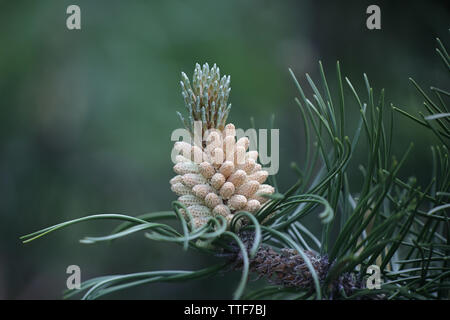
[390, 221]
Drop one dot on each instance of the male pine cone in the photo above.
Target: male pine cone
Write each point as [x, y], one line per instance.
[216, 175]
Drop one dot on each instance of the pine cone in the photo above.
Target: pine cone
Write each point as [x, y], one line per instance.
[215, 175]
[223, 180]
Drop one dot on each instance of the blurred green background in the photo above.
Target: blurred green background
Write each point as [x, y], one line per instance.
[86, 116]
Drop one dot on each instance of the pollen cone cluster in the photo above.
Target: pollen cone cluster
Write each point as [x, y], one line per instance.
[220, 178]
[216, 174]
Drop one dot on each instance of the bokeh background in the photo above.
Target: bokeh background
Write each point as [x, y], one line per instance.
[86, 116]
